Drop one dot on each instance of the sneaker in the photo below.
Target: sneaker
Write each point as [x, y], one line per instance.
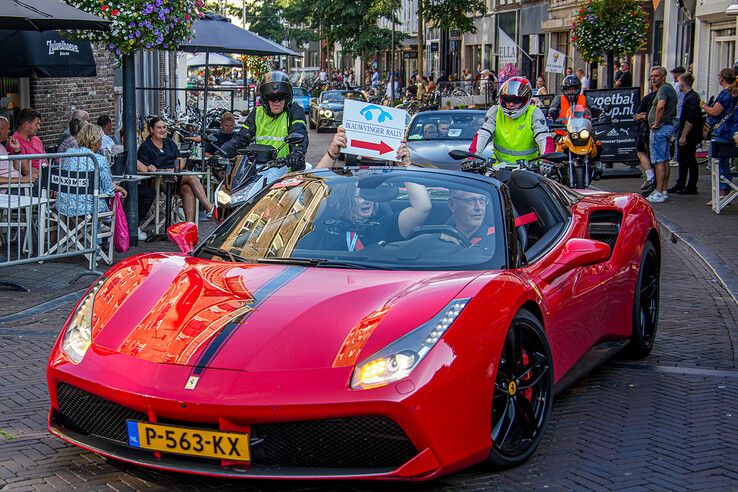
[673, 163]
[142, 235]
[656, 197]
[648, 185]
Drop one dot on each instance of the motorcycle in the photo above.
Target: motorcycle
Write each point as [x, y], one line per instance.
[491, 166]
[582, 165]
[255, 168]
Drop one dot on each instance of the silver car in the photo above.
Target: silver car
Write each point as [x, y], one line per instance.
[432, 134]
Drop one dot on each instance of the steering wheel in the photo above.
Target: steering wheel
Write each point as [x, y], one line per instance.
[441, 229]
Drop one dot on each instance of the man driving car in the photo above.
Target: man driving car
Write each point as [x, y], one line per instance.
[468, 211]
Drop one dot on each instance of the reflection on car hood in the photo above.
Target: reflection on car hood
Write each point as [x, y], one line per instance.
[188, 311]
[434, 153]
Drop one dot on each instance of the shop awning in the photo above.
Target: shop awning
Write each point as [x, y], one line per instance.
[46, 54]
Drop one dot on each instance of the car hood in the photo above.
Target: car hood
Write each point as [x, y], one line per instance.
[434, 153]
[187, 311]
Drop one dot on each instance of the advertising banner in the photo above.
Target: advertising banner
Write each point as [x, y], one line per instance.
[619, 137]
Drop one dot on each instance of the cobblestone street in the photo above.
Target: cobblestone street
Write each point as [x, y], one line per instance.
[668, 422]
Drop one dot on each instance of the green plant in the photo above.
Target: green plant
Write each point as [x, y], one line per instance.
[609, 27]
[141, 24]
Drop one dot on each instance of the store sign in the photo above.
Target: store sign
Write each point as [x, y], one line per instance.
[555, 61]
[619, 137]
[61, 47]
[507, 50]
[409, 55]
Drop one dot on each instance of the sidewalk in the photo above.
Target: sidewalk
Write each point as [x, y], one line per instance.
[692, 225]
[58, 283]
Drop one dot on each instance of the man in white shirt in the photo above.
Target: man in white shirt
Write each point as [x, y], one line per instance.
[584, 79]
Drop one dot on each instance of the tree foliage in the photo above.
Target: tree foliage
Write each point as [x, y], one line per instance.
[617, 27]
[452, 14]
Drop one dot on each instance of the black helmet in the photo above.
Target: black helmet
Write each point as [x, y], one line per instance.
[275, 84]
[571, 86]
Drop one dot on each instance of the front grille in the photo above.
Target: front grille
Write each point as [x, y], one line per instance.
[89, 414]
[355, 442]
[371, 441]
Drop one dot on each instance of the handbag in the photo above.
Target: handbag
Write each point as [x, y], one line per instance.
[708, 130]
[121, 239]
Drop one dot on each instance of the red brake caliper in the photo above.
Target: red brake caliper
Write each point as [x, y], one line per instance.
[529, 392]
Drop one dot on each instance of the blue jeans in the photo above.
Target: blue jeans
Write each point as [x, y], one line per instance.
[724, 164]
[660, 140]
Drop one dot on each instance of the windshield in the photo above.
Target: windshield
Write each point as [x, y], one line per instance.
[360, 218]
[446, 126]
[578, 119]
[337, 97]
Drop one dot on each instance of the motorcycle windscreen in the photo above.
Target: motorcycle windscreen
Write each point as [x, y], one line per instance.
[578, 119]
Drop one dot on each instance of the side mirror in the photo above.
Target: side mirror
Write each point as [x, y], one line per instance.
[577, 252]
[463, 154]
[184, 235]
[554, 157]
[294, 138]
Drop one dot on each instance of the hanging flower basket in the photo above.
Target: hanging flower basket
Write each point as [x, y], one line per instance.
[256, 65]
[619, 27]
[138, 25]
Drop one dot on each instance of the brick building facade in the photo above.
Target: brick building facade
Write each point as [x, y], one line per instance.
[56, 97]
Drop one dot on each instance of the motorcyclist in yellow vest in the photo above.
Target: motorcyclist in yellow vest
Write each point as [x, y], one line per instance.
[571, 97]
[271, 121]
[517, 128]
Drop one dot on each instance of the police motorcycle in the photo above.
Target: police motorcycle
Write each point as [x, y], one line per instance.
[254, 168]
[575, 139]
[501, 170]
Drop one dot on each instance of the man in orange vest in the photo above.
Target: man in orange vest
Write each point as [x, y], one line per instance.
[571, 96]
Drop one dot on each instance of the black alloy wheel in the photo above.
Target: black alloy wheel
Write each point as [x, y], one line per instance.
[645, 304]
[523, 394]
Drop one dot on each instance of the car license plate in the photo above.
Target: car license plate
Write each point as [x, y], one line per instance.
[192, 442]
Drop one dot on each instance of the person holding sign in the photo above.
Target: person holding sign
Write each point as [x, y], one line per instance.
[355, 223]
[517, 129]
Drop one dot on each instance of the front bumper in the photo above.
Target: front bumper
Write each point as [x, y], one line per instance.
[297, 429]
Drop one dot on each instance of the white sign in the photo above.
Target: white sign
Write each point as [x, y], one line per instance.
[373, 130]
[555, 61]
[507, 49]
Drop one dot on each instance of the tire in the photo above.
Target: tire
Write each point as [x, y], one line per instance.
[580, 178]
[645, 304]
[312, 125]
[523, 386]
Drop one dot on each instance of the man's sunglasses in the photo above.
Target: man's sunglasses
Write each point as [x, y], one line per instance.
[275, 97]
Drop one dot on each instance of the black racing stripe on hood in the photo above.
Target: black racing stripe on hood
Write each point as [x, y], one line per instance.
[258, 297]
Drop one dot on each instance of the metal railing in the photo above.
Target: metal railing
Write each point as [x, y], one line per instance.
[53, 211]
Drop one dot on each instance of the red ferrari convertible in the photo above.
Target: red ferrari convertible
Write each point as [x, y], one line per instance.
[380, 323]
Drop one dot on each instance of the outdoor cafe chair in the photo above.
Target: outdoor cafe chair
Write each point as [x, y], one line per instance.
[66, 235]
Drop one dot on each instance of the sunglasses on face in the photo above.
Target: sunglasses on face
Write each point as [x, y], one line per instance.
[276, 97]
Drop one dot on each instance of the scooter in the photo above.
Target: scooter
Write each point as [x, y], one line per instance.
[582, 165]
[255, 168]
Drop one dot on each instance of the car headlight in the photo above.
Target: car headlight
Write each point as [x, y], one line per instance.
[584, 134]
[78, 336]
[327, 113]
[398, 359]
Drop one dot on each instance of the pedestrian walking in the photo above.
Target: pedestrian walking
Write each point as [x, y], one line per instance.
[661, 120]
[690, 134]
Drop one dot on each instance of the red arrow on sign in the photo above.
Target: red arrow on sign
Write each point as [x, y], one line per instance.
[380, 147]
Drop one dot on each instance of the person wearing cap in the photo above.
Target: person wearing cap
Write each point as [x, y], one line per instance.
[271, 121]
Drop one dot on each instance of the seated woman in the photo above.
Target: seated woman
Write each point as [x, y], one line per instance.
[75, 125]
[73, 205]
[355, 224]
[159, 152]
